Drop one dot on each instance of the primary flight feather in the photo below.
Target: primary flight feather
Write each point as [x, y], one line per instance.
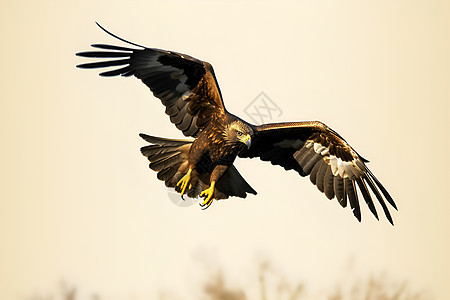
[188, 88]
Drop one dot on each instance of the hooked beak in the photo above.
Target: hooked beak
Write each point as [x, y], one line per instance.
[247, 140]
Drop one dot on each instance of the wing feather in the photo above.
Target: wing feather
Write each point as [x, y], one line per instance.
[383, 190]
[329, 183]
[321, 176]
[339, 190]
[367, 197]
[353, 197]
[314, 172]
[380, 199]
[312, 148]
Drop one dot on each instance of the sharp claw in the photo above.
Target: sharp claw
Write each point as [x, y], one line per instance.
[208, 193]
[205, 205]
[207, 202]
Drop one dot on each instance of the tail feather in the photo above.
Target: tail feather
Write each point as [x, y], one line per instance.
[166, 161]
[163, 141]
[156, 150]
[167, 174]
[233, 184]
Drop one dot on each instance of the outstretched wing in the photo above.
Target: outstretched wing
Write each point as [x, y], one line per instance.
[311, 148]
[185, 85]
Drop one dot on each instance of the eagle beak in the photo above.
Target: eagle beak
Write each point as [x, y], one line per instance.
[247, 140]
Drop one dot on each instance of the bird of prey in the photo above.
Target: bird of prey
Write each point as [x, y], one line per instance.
[188, 89]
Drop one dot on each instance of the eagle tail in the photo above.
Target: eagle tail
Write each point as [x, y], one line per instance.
[169, 158]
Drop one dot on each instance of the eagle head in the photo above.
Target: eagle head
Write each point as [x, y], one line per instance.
[238, 132]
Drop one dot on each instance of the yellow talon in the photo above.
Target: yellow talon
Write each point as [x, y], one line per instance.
[208, 193]
[185, 181]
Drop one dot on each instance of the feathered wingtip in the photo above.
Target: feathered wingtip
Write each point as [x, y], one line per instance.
[121, 55]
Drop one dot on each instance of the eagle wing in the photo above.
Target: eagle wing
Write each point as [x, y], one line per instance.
[311, 148]
[186, 86]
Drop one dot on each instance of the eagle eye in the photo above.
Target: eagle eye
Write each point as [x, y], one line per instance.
[239, 133]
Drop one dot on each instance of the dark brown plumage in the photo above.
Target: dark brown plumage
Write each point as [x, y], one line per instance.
[188, 88]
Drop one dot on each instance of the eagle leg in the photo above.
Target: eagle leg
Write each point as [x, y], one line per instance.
[208, 193]
[184, 182]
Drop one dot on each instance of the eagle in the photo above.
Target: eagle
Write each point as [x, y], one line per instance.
[203, 167]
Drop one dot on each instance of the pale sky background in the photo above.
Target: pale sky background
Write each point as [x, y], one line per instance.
[78, 202]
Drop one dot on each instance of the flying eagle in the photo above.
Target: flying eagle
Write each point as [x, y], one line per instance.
[188, 88]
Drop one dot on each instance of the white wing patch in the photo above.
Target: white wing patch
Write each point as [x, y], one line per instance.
[345, 169]
[185, 95]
